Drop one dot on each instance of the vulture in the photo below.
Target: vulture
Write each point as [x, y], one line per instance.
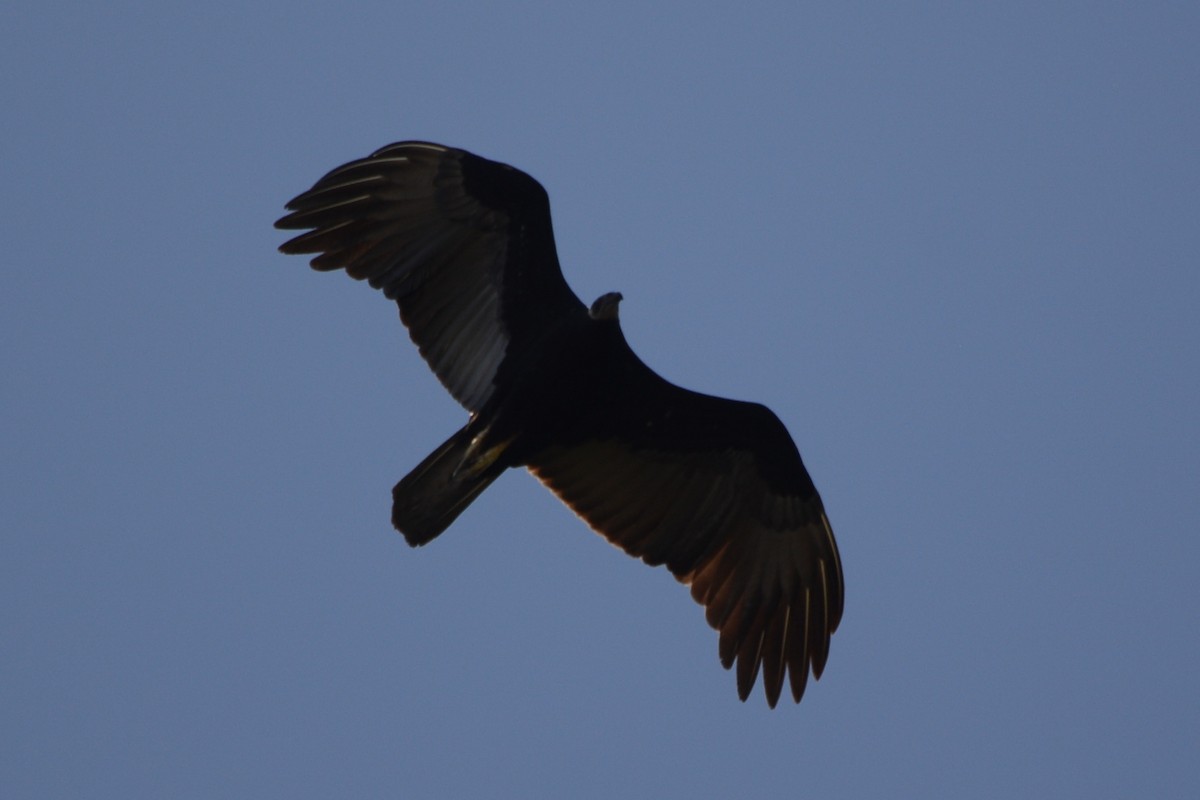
[712, 488]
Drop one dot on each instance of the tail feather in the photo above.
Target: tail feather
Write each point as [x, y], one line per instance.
[429, 498]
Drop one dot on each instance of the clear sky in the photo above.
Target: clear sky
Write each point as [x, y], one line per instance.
[953, 246]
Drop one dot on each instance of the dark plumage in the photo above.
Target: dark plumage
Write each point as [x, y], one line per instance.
[712, 488]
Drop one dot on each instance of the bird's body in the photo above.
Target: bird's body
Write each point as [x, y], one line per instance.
[712, 488]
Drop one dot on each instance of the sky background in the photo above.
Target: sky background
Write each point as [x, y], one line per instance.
[953, 246]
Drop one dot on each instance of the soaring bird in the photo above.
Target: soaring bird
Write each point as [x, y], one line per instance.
[714, 489]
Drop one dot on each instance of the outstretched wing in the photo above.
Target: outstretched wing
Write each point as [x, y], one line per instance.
[715, 490]
[462, 244]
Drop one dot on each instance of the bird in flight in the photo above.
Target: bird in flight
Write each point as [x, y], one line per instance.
[714, 489]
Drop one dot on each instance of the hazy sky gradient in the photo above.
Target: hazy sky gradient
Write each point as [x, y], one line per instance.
[953, 246]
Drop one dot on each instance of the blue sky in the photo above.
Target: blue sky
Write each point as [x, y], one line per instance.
[953, 246]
